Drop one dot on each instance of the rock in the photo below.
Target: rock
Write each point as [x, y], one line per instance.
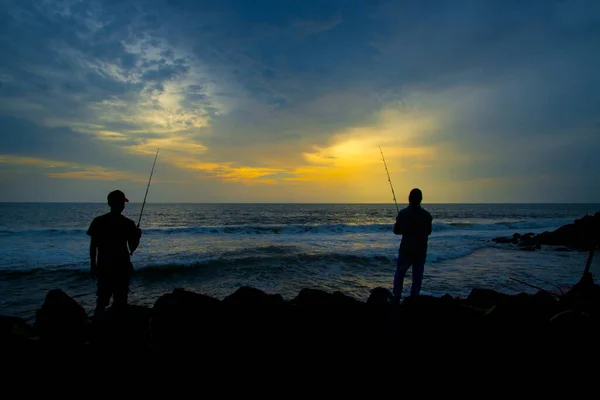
[61, 319]
[315, 297]
[341, 299]
[446, 318]
[571, 326]
[14, 330]
[256, 318]
[126, 328]
[571, 319]
[582, 234]
[542, 298]
[505, 240]
[584, 296]
[381, 297]
[447, 297]
[322, 318]
[485, 298]
[249, 296]
[515, 314]
[183, 319]
[525, 247]
[312, 297]
[382, 318]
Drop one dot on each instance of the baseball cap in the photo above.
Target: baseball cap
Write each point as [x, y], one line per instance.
[117, 195]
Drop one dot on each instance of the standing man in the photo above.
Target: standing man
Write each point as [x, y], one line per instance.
[414, 223]
[113, 238]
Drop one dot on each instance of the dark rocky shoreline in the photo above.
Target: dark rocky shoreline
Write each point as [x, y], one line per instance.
[315, 330]
[250, 323]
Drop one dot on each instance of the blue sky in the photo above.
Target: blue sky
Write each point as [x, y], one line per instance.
[261, 101]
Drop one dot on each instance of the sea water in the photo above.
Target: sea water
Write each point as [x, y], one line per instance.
[280, 248]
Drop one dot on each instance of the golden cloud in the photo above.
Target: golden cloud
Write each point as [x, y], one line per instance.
[83, 172]
[35, 162]
[98, 174]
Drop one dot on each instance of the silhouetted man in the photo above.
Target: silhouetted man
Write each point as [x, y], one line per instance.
[414, 223]
[113, 238]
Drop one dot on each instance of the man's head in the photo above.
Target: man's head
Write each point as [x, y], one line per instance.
[415, 197]
[116, 200]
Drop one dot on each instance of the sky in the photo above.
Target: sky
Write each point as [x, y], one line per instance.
[291, 101]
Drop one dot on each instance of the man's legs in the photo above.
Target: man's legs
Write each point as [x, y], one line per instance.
[121, 290]
[103, 294]
[417, 278]
[401, 267]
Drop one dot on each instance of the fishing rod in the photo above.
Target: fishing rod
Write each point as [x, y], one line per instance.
[147, 187]
[389, 179]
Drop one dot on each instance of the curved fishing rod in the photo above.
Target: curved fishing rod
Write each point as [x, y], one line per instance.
[147, 187]
[389, 179]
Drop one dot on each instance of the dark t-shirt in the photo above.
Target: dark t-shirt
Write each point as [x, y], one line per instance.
[415, 226]
[112, 232]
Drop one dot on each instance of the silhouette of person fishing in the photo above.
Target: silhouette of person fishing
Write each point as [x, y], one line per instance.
[414, 223]
[113, 237]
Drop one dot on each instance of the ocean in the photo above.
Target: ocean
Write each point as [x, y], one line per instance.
[280, 248]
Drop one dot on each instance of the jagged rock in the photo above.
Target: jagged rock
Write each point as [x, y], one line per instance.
[504, 240]
[583, 296]
[342, 299]
[315, 297]
[312, 297]
[183, 319]
[485, 298]
[250, 323]
[447, 297]
[61, 319]
[543, 298]
[255, 318]
[14, 330]
[582, 234]
[514, 313]
[571, 319]
[445, 318]
[573, 326]
[381, 297]
[127, 327]
[249, 296]
[323, 318]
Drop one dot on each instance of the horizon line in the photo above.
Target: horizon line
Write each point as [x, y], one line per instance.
[285, 202]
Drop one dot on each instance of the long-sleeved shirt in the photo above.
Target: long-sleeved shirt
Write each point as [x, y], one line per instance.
[414, 223]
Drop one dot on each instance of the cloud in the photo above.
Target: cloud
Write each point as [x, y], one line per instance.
[74, 171]
[280, 98]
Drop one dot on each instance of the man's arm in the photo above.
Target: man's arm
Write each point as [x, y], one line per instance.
[134, 238]
[398, 225]
[92, 233]
[93, 252]
[429, 225]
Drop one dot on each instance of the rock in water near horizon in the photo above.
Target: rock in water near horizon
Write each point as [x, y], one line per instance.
[582, 234]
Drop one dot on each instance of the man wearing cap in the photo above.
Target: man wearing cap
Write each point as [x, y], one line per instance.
[414, 223]
[113, 238]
